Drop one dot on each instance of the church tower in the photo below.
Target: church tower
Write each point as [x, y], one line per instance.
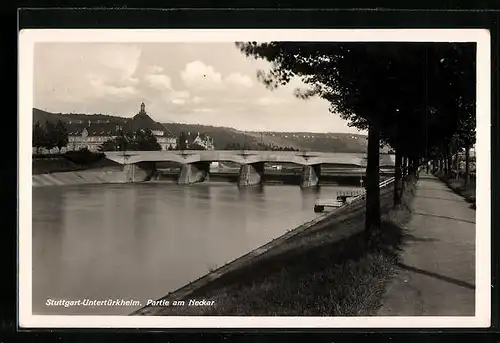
[143, 109]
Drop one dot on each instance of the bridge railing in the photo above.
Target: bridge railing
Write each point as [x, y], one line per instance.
[356, 202]
[382, 184]
[386, 182]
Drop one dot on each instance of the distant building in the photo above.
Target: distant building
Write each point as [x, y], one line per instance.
[93, 134]
[143, 121]
[90, 136]
[205, 141]
[202, 140]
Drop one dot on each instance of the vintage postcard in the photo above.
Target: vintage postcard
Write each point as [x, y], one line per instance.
[254, 178]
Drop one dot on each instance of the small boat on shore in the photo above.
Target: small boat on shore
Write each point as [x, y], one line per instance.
[322, 204]
[342, 199]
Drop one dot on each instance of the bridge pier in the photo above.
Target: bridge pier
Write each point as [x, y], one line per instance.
[310, 176]
[139, 172]
[193, 173]
[251, 174]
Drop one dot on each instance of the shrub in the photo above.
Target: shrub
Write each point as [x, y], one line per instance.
[83, 156]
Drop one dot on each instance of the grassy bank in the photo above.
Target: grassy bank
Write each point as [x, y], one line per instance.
[458, 186]
[69, 161]
[313, 274]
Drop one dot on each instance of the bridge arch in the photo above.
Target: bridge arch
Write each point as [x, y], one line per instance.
[195, 165]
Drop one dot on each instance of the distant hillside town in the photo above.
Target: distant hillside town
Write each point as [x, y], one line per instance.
[106, 134]
[99, 132]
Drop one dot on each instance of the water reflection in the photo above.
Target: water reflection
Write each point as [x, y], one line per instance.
[140, 241]
[307, 194]
[47, 242]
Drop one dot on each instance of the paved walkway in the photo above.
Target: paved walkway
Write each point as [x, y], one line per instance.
[436, 275]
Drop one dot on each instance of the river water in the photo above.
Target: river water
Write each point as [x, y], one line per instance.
[141, 241]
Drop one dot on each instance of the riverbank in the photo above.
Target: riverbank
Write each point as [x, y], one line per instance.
[75, 168]
[91, 176]
[319, 269]
[458, 186]
[69, 161]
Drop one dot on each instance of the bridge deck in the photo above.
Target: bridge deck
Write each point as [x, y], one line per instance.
[245, 157]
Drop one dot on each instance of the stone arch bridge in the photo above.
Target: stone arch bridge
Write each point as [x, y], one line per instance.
[195, 165]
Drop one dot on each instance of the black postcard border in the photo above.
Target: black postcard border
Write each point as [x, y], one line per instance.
[249, 18]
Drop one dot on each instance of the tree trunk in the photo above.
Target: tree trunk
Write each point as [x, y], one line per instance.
[410, 166]
[443, 157]
[397, 179]
[457, 164]
[372, 217]
[414, 166]
[443, 153]
[404, 172]
[449, 159]
[467, 166]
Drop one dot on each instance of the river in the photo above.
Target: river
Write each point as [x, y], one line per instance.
[141, 241]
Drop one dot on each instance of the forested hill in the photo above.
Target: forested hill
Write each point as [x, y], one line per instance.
[339, 142]
[224, 136]
[43, 116]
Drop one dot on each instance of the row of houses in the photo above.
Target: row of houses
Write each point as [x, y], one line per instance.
[201, 140]
[92, 134]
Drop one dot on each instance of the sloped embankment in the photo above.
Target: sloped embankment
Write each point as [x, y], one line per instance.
[92, 176]
[321, 268]
[83, 167]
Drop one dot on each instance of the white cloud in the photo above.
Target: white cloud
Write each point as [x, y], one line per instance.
[240, 80]
[159, 81]
[199, 75]
[270, 101]
[119, 56]
[194, 85]
[163, 83]
[179, 101]
[235, 100]
[198, 100]
[203, 110]
[103, 72]
[180, 94]
[177, 97]
[120, 62]
[155, 69]
[103, 88]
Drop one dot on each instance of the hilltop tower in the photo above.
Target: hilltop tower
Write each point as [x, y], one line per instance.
[143, 108]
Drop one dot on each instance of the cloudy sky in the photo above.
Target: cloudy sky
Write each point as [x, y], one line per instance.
[198, 83]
